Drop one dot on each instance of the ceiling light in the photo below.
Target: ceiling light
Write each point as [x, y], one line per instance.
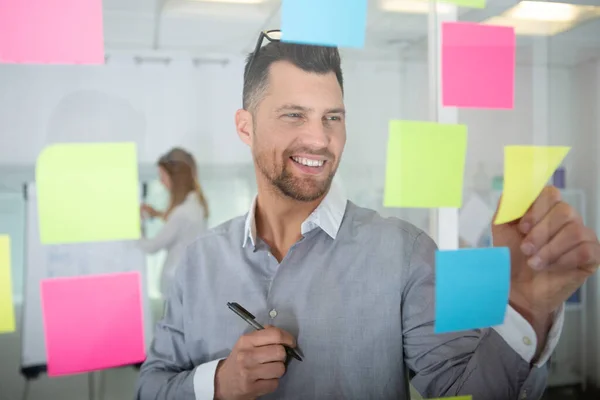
[544, 18]
[413, 6]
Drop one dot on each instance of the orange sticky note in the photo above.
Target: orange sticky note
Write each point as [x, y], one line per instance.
[51, 32]
[92, 322]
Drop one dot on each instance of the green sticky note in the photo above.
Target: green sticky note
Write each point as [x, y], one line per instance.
[88, 193]
[466, 3]
[425, 165]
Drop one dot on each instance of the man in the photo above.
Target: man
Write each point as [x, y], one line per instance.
[351, 291]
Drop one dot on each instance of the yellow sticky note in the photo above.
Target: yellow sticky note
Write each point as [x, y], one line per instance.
[466, 3]
[527, 170]
[88, 193]
[425, 165]
[469, 397]
[7, 311]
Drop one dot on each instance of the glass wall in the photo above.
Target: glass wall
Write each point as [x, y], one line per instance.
[185, 90]
[555, 104]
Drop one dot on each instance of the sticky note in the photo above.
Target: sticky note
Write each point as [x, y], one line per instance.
[88, 193]
[92, 322]
[471, 288]
[51, 32]
[340, 23]
[466, 3]
[7, 311]
[474, 218]
[527, 170]
[478, 65]
[425, 164]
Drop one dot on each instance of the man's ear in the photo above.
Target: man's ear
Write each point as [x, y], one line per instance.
[244, 126]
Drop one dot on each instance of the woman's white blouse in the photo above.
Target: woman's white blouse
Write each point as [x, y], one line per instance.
[186, 222]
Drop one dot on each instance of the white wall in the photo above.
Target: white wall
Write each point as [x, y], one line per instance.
[154, 105]
[159, 106]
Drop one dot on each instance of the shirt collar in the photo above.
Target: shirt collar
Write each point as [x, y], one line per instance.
[328, 216]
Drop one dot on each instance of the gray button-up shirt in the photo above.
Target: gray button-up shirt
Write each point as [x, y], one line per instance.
[358, 294]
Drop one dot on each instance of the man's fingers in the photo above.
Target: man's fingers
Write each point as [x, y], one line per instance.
[273, 370]
[548, 198]
[558, 217]
[585, 256]
[261, 355]
[564, 250]
[265, 386]
[270, 335]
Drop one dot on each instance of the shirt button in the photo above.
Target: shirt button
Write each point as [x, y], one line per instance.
[273, 313]
[527, 341]
[524, 395]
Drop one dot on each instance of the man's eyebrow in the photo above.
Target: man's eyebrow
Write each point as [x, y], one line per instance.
[296, 107]
[337, 110]
[293, 107]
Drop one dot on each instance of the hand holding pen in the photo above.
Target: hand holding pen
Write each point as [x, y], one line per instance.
[255, 364]
[251, 320]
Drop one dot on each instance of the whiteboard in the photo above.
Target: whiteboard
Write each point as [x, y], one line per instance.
[53, 261]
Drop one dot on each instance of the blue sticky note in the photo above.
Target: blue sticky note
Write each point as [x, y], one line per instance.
[340, 23]
[471, 288]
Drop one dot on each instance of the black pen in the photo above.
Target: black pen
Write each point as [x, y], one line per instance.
[250, 319]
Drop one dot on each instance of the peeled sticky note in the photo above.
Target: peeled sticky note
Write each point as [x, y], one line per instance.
[92, 322]
[340, 23]
[51, 31]
[425, 164]
[88, 193]
[527, 170]
[471, 288]
[7, 311]
[478, 65]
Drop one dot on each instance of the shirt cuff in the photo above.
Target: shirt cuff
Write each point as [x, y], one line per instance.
[519, 335]
[204, 380]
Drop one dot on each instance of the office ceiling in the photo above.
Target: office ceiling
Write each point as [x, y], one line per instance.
[209, 28]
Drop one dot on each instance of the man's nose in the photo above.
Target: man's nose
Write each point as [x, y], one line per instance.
[316, 135]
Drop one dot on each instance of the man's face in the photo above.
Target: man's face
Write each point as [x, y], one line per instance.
[299, 131]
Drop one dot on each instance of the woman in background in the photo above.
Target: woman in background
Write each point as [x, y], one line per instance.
[185, 217]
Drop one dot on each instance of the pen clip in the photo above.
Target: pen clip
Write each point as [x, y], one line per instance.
[241, 311]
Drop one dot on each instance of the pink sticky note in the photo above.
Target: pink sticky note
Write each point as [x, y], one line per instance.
[92, 322]
[478, 65]
[51, 31]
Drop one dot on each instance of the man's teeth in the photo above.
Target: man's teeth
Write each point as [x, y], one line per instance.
[308, 162]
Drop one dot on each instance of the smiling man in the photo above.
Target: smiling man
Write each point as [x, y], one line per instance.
[351, 291]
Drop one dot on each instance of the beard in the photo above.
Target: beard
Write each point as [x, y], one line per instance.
[281, 177]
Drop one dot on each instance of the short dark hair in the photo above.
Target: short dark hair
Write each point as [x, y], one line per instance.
[318, 59]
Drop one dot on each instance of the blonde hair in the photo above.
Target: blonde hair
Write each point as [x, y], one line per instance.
[181, 168]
